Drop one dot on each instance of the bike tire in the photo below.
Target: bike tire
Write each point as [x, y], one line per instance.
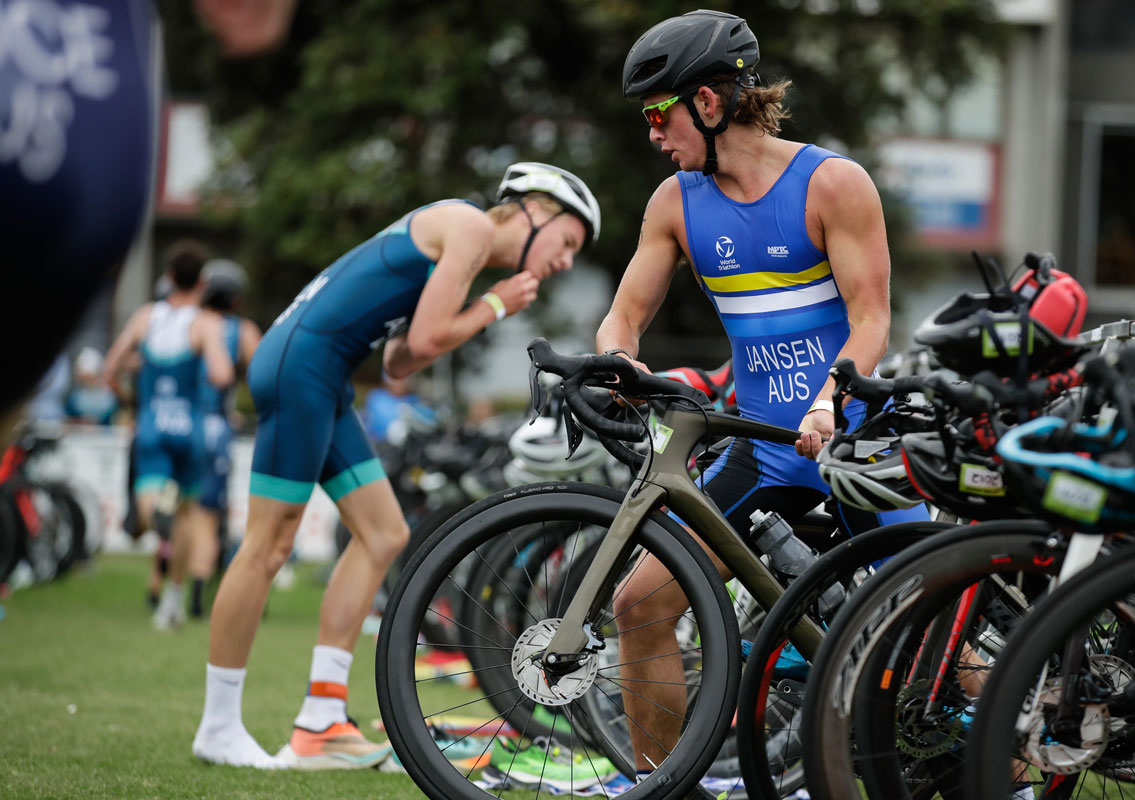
[928, 573]
[410, 734]
[998, 729]
[11, 535]
[836, 566]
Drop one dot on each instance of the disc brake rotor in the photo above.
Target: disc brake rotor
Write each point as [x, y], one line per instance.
[1115, 674]
[545, 687]
[1043, 750]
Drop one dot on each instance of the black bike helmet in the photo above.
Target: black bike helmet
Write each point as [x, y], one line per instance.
[964, 479]
[676, 54]
[865, 468]
[974, 332]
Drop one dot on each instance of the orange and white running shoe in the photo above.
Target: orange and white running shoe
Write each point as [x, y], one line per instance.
[340, 746]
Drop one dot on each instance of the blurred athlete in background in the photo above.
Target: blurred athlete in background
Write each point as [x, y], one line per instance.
[225, 283]
[180, 345]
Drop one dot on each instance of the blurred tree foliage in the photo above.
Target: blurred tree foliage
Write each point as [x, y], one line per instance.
[373, 107]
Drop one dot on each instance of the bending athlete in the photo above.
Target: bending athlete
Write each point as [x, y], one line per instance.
[417, 272]
[788, 241]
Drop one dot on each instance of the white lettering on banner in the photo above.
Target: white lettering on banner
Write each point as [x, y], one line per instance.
[58, 51]
[305, 294]
[792, 355]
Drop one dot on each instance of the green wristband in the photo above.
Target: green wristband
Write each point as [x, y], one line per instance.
[496, 304]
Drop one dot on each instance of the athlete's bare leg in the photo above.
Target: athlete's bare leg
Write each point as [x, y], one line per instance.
[205, 545]
[268, 538]
[379, 534]
[648, 604]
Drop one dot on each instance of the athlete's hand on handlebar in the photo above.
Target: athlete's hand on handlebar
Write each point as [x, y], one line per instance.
[815, 430]
[516, 292]
[637, 365]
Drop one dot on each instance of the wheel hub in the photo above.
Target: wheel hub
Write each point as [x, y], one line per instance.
[542, 685]
[1042, 749]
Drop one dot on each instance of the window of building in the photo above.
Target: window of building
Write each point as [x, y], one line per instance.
[1115, 248]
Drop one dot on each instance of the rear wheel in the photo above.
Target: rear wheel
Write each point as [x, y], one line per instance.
[860, 684]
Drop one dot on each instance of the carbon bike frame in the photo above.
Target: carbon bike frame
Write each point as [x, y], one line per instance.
[664, 480]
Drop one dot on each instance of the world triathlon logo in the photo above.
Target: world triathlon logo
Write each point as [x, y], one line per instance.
[724, 247]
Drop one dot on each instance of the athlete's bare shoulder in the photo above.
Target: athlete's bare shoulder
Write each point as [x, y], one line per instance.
[431, 226]
[665, 205]
[838, 180]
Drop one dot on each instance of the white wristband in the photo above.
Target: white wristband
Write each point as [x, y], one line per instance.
[496, 304]
[822, 405]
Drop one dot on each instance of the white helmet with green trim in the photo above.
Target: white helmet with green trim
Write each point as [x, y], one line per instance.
[532, 176]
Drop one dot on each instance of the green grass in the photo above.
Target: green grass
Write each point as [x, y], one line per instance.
[86, 642]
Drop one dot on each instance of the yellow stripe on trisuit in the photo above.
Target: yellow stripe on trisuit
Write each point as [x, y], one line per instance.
[753, 281]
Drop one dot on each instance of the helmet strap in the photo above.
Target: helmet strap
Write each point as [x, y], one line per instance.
[711, 133]
[535, 229]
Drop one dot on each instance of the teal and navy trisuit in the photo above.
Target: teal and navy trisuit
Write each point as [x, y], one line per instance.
[300, 374]
[168, 443]
[786, 320]
[217, 432]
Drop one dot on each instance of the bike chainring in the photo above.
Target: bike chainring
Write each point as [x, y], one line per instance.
[921, 736]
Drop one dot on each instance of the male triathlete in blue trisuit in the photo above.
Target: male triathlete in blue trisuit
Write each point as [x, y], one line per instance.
[788, 242]
[418, 271]
[181, 345]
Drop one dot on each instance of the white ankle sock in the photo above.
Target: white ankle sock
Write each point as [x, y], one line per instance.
[173, 595]
[223, 689]
[326, 700]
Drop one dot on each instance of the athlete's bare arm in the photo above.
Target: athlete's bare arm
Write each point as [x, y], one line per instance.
[459, 237]
[207, 337]
[647, 278]
[248, 339]
[846, 205]
[128, 340]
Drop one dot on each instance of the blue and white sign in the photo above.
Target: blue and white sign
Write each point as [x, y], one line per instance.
[951, 186]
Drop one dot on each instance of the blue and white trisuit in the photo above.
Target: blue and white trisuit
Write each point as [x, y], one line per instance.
[217, 431]
[169, 442]
[786, 320]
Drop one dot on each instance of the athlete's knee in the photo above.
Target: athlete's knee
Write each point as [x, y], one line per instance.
[268, 542]
[641, 604]
[384, 542]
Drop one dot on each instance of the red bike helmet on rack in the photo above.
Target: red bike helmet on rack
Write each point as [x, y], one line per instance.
[1034, 318]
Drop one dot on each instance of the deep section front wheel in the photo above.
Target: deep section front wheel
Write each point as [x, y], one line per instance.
[455, 742]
